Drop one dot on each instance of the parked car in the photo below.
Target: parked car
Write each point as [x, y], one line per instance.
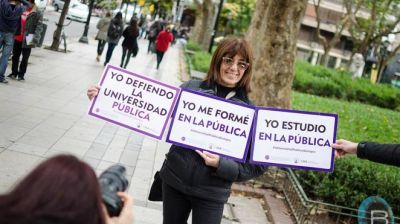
[78, 11]
[59, 4]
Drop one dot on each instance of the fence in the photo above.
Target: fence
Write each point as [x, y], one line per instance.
[305, 210]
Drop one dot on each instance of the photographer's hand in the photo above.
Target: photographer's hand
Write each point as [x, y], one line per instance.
[126, 215]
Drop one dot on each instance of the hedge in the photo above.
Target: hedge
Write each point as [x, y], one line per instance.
[321, 81]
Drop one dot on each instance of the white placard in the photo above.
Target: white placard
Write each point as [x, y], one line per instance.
[210, 123]
[294, 139]
[134, 101]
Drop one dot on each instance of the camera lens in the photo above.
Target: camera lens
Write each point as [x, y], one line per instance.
[113, 180]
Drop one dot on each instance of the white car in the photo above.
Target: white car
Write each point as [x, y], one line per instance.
[78, 11]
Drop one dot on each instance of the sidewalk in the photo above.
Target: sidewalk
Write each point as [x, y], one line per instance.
[47, 115]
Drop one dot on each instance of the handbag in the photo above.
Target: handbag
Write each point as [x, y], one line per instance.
[155, 193]
[156, 188]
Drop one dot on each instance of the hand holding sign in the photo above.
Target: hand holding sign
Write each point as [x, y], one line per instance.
[93, 91]
[209, 158]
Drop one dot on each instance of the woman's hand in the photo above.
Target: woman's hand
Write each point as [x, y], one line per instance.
[126, 215]
[209, 158]
[343, 147]
[93, 91]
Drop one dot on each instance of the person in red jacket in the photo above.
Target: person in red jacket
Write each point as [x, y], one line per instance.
[163, 41]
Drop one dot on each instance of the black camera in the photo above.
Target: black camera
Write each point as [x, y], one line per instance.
[113, 180]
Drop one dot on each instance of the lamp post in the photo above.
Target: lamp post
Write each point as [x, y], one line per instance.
[221, 3]
[84, 38]
[383, 53]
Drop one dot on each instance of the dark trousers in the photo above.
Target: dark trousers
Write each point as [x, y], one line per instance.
[110, 50]
[17, 51]
[100, 46]
[124, 53]
[177, 207]
[160, 56]
[151, 42]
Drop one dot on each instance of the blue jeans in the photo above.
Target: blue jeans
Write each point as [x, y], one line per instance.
[6, 42]
[110, 50]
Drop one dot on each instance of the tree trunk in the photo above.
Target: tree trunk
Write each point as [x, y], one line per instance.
[205, 18]
[273, 35]
[57, 33]
[325, 56]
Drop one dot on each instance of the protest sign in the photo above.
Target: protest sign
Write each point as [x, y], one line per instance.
[133, 101]
[213, 124]
[296, 139]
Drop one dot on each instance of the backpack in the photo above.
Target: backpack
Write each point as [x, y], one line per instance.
[153, 33]
[114, 30]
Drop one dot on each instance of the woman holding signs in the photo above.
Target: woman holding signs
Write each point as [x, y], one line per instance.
[200, 181]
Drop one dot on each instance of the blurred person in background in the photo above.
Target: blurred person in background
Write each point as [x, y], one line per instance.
[163, 41]
[10, 24]
[129, 44]
[101, 36]
[114, 33]
[31, 33]
[154, 30]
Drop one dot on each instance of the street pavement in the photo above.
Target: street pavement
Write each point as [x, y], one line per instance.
[47, 115]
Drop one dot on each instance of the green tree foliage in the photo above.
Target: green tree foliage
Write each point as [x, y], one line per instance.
[375, 20]
[107, 4]
[236, 16]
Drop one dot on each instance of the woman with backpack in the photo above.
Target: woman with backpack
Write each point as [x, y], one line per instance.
[129, 45]
[114, 33]
[155, 28]
[101, 36]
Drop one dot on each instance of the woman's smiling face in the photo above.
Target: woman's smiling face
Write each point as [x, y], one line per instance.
[232, 70]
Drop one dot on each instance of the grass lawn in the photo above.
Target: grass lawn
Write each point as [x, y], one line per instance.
[357, 122]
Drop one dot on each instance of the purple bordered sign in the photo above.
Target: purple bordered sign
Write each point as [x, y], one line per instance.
[133, 101]
[210, 123]
[296, 139]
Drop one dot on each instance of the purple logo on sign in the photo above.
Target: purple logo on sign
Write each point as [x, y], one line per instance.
[183, 138]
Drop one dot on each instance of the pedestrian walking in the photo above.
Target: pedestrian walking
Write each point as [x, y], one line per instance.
[114, 33]
[144, 20]
[154, 30]
[31, 33]
[129, 44]
[101, 36]
[10, 24]
[164, 39]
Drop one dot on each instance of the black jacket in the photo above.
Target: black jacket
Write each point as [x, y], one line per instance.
[381, 153]
[186, 171]
[130, 40]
